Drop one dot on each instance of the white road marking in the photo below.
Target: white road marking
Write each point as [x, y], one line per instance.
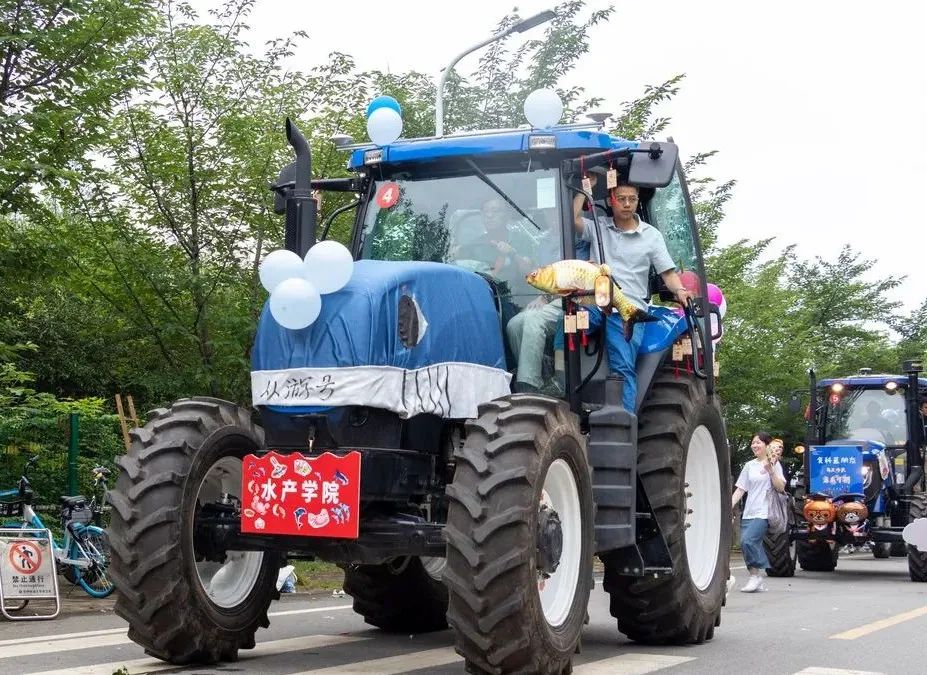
[631, 664]
[149, 665]
[430, 658]
[47, 644]
[311, 610]
[835, 671]
[63, 636]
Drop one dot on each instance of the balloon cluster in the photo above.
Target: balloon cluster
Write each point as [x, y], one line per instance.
[296, 285]
[690, 282]
[384, 120]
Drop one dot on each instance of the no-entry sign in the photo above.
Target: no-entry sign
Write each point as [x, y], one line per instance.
[27, 567]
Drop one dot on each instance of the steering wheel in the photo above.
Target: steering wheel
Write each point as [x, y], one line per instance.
[478, 250]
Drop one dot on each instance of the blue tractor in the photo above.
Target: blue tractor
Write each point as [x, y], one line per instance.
[446, 498]
[862, 479]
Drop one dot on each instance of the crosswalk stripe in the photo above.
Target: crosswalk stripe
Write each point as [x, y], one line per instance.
[105, 638]
[63, 636]
[835, 671]
[430, 658]
[272, 648]
[47, 646]
[631, 664]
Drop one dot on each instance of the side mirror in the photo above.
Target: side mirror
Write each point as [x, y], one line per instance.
[714, 314]
[795, 403]
[653, 164]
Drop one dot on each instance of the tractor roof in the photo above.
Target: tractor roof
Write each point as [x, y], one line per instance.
[873, 380]
[575, 137]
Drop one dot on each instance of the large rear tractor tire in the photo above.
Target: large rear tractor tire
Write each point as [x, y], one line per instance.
[684, 465]
[781, 551]
[917, 560]
[817, 556]
[181, 607]
[406, 595]
[520, 538]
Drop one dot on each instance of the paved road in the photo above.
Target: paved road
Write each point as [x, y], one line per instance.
[865, 618]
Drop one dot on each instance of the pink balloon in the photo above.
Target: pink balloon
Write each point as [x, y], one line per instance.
[715, 296]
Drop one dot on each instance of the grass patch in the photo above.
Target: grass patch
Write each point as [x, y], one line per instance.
[314, 575]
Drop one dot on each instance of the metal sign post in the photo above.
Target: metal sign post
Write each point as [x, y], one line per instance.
[27, 570]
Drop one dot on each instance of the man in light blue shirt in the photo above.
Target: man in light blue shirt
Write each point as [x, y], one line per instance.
[629, 246]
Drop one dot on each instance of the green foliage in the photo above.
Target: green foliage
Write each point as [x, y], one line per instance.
[493, 97]
[37, 423]
[152, 135]
[63, 64]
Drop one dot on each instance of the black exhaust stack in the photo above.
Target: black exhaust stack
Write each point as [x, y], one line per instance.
[299, 232]
[914, 461]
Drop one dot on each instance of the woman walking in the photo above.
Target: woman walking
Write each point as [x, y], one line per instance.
[758, 477]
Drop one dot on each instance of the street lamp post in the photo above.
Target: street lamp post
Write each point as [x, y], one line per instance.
[519, 27]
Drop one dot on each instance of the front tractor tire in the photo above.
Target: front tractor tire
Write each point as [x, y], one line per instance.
[181, 607]
[684, 466]
[520, 538]
[406, 595]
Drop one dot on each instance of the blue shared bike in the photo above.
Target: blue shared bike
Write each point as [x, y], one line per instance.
[82, 554]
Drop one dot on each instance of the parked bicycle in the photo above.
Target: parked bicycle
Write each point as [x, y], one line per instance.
[82, 557]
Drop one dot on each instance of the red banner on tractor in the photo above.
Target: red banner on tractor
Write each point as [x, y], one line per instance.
[305, 496]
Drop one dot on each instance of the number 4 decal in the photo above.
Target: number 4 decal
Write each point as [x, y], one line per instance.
[388, 195]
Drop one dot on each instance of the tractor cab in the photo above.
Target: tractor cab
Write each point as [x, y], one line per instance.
[499, 204]
[879, 413]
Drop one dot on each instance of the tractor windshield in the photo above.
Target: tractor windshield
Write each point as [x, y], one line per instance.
[460, 219]
[865, 414]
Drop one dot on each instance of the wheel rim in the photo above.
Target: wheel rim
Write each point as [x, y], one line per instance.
[434, 567]
[703, 508]
[227, 584]
[95, 579]
[557, 592]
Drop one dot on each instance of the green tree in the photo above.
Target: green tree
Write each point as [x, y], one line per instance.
[62, 66]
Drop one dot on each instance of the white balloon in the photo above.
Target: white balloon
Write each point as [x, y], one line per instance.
[278, 266]
[384, 126]
[295, 303]
[329, 265]
[543, 108]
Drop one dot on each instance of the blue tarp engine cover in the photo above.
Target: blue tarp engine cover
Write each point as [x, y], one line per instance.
[449, 359]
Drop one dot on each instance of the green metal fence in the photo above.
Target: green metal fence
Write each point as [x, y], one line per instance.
[68, 446]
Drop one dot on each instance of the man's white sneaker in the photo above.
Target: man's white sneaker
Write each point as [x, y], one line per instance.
[753, 583]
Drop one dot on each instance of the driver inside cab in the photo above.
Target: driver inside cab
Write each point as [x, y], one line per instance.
[506, 251]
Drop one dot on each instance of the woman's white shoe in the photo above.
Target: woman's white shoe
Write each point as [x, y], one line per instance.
[753, 584]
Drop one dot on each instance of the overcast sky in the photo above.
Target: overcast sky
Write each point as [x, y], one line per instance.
[817, 108]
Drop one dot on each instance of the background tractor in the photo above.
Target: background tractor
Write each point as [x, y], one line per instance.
[385, 438]
[862, 478]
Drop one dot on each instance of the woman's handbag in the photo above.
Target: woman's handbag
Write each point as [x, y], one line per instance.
[777, 509]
